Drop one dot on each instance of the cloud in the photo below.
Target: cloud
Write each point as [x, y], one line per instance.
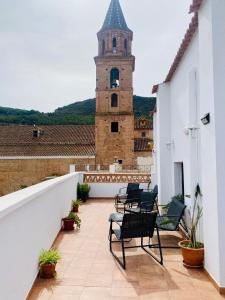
[47, 47]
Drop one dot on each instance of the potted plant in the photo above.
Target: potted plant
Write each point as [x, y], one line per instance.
[84, 190]
[192, 249]
[70, 220]
[75, 205]
[47, 262]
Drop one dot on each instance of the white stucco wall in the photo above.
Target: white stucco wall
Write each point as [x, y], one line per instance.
[30, 220]
[164, 144]
[198, 88]
[109, 190]
[175, 111]
[212, 91]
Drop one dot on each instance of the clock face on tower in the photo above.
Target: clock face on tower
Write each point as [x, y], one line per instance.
[114, 90]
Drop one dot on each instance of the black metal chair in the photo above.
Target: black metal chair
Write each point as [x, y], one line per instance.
[147, 203]
[133, 197]
[123, 193]
[136, 226]
[172, 219]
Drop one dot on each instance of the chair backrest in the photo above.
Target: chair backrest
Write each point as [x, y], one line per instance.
[148, 200]
[132, 186]
[155, 190]
[176, 210]
[138, 225]
[134, 195]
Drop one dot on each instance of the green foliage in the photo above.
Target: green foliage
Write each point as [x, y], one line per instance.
[76, 202]
[75, 218]
[78, 113]
[51, 256]
[195, 219]
[85, 188]
[23, 186]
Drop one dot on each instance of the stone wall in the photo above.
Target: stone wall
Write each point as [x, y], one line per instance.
[148, 133]
[15, 173]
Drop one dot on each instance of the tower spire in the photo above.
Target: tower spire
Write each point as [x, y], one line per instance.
[114, 18]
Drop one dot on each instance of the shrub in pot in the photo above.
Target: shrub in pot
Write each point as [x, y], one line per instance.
[47, 262]
[70, 220]
[75, 205]
[192, 249]
[84, 190]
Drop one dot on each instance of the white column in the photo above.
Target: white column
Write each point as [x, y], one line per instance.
[164, 145]
[212, 100]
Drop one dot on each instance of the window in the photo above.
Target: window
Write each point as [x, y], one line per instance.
[114, 127]
[114, 100]
[114, 78]
[114, 44]
[103, 47]
[143, 134]
[125, 46]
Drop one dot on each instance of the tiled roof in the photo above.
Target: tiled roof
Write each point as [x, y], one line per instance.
[142, 145]
[195, 5]
[55, 141]
[16, 140]
[182, 50]
[115, 18]
[143, 124]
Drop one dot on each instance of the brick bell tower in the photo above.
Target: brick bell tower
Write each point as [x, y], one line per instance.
[114, 90]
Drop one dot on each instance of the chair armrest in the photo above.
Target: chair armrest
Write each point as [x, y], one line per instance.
[170, 216]
[134, 200]
[116, 222]
[122, 189]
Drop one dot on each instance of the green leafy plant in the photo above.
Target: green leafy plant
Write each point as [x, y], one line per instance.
[85, 188]
[47, 257]
[195, 219]
[76, 202]
[83, 191]
[75, 218]
[23, 186]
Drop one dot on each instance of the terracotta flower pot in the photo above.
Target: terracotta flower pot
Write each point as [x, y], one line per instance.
[68, 224]
[192, 258]
[75, 208]
[47, 271]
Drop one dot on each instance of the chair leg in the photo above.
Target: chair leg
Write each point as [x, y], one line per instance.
[160, 247]
[124, 257]
[123, 261]
[110, 237]
[154, 247]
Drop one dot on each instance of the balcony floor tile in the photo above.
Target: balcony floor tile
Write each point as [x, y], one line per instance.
[88, 271]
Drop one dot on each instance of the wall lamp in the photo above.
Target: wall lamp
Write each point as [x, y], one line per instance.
[205, 119]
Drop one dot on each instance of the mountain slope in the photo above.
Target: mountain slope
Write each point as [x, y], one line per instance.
[78, 113]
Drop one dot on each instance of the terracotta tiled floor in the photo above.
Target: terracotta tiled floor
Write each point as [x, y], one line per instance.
[88, 270]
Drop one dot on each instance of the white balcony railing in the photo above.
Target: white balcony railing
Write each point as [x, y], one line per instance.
[30, 220]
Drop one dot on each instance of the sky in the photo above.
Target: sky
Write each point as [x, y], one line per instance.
[47, 47]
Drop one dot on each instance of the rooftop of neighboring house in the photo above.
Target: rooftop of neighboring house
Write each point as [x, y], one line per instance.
[54, 140]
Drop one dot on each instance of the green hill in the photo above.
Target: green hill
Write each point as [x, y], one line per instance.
[78, 113]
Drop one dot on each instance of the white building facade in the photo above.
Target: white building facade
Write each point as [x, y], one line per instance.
[188, 152]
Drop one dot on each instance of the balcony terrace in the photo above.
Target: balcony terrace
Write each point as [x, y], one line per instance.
[88, 270]
[30, 220]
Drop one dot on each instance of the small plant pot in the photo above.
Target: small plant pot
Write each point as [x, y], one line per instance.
[192, 258]
[47, 271]
[68, 224]
[84, 196]
[75, 208]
